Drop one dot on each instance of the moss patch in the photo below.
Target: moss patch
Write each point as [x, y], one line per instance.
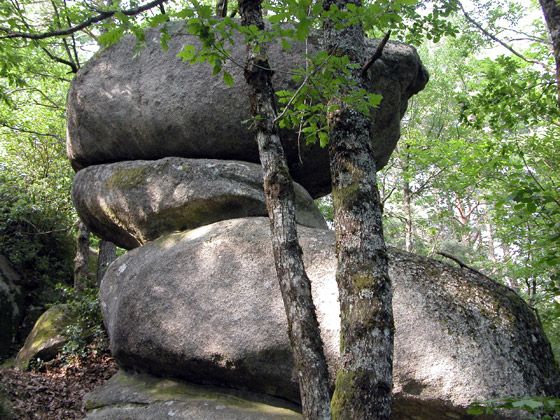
[129, 177]
[144, 389]
[46, 335]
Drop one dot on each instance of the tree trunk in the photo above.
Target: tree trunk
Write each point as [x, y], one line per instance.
[407, 198]
[221, 8]
[82, 257]
[551, 11]
[107, 254]
[303, 328]
[364, 381]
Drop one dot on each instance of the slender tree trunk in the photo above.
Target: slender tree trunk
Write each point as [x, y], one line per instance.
[82, 257]
[221, 8]
[107, 254]
[408, 216]
[407, 197]
[364, 381]
[490, 230]
[551, 11]
[303, 328]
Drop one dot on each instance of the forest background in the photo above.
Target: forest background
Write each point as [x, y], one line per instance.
[475, 174]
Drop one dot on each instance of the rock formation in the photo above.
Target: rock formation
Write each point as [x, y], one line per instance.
[150, 105]
[47, 336]
[130, 203]
[203, 304]
[459, 336]
[130, 396]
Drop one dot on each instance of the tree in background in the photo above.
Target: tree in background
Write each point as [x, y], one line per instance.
[476, 174]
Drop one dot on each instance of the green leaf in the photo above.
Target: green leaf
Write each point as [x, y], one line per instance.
[187, 53]
[286, 45]
[217, 67]
[530, 403]
[158, 20]
[228, 79]
[111, 37]
[323, 138]
[476, 410]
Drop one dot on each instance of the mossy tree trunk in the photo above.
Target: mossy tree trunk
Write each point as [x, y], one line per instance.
[303, 328]
[364, 381]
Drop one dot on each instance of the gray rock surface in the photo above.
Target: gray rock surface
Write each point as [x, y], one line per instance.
[125, 105]
[130, 396]
[11, 301]
[47, 336]
[131, 203]
[204, 305]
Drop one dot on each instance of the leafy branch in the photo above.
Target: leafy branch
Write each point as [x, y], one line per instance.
[103, 15]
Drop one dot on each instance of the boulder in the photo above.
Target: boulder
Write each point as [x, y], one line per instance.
[11, 301]
[204, 305]
[131, 203]
[129, 104]
[47, 336]
[130, 396]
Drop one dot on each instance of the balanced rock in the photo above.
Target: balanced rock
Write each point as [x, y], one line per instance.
[204, 305]
[127, 104]
[131, 203]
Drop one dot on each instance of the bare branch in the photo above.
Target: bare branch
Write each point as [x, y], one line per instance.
[458, 261]
[503, 44]
[103, 15]
[377, 54]
[23, 130]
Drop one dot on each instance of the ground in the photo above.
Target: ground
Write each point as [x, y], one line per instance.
[53, 391]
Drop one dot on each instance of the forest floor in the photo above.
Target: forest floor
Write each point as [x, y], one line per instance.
[55, 390]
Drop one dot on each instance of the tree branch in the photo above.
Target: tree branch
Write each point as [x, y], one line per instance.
[23, 130]
[73, 29]
[503, 44]
[461, 263]
[377, 54]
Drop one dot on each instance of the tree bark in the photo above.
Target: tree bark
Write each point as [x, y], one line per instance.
[221, 8]
[408, 216]
[82, 257]
[364, 381]
[551, 11]
[407, 197]
[107, 254]
[303, 328]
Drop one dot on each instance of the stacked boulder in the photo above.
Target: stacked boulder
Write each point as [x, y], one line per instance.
[166, 168]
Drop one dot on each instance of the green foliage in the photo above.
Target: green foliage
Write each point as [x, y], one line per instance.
[541, 408]
[34, 235]
[87, 334]
[479, 157]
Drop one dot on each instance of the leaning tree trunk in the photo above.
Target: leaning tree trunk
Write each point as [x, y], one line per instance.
[364, 381]
[551, 10]
[82, 257]
[303, 328]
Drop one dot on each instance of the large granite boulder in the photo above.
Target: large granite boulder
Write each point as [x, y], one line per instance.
[127, 104]
[11, 306]
[130, 396]
[205, 305]
[133, 202]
